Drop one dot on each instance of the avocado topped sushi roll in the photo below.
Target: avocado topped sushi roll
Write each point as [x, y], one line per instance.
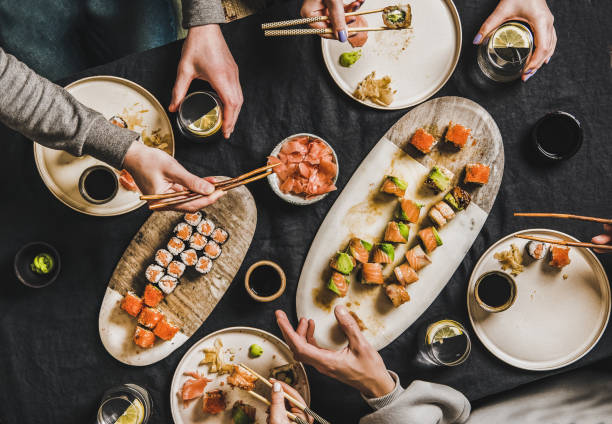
[394, 185]
[338, 283]
[409, 210]
[343, 263]
[397, 232]
[360, 249]
[458, 198]
[439, 179]
[193, 219]
[384, 253]
[430, 238]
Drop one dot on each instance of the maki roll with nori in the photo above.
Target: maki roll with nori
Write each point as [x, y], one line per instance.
[285, 373]
[154, 273]
[397, 232]
[152, 295]
[343, 263]
[163, 257]
[189, 257]
[167, 284]
[338, 283]
[458, 198]
[537, 249]
[360, 250]
[175, 246]
[193, 219]
[212, 249]
[397, 16]
[176, 269]
[219, 235]
[183, 231]
[197, 241]
[206, 227]
[409, 210]
[384, 253]
[393, 185]
[204, 265]
[149, 317]
[439, 179]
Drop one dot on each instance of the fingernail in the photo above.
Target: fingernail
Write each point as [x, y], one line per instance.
[477, 38]
[547, 60]
[342, 36]
[210, 189]
[276, 387]
[529, 74]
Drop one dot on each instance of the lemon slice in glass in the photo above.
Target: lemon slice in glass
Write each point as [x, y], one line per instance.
[207, 124]
[445, 332]
[133, 415]
[511, 36]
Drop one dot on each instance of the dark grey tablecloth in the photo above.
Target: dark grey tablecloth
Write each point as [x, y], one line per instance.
[53, 367]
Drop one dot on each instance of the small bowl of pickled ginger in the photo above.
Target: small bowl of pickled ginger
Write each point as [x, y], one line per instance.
[307, 170]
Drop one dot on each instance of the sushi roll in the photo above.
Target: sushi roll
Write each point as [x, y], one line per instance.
[343, 263]
[405, 274]
[212, 249]
[476, 173]
[397, 232]
[439, 179]
[559, 256]
[167, 284]
[118, 121]
[384, 253]
[193, 219]
[176, 269]
[152, 295]
[393, 185]
[457, 134]
[423, 141]
[441, 213]
[219, 235]
[204, 265]
[339, 283]
[197, 241]
[165, 330]
[371, 273]
[131, 304]
[537, 250]
[396, 17]
[360, 249]
[458, 198]
[409, 210]
[206, 227]
[214, 402]
[183, 231]
[163, 257]
[430, 239]
[175, 246]
[417, 258]
[149, 317]
[397, 294]
[144, 338]
[189, 257]
[154, 273]
[436, 217]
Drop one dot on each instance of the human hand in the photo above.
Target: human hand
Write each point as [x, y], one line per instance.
[539, 18]
[605, 238]
[156, 172]
[335, 9]
[206, 56]
[278, 411]
[357, 365]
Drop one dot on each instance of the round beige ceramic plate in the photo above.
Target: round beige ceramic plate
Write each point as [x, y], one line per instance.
[236, 342]
[558, 316]
[418, 60]
[110, 96]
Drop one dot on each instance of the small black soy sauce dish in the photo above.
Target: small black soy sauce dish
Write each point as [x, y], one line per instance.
[557, 136]
[24, 258]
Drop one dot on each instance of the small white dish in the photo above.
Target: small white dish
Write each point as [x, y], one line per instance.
[293, 198]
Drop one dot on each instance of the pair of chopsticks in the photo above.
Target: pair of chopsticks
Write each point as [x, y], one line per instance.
[564, 242]
[294, 401]
[177, 197]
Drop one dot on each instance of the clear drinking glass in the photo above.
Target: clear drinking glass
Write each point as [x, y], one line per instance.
[200, 115]
[503, 53]
[125, 404]
[444, 342]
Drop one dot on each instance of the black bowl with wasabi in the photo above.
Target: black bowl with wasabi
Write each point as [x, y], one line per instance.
[37, 264]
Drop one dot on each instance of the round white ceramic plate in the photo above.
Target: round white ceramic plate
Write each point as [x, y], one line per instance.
[293, 198]
[555, 320]
[60, 171]
[236, 342]
[418, 60]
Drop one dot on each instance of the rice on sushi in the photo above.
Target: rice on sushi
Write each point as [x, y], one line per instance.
[397, 294]
[393, 185]
[193, 219]
[338, 283]
[167, 284]
[149, 317]
[397, 16]
[458, 198]
[204, 265]
[154, 273]
[175, 246]
[343, 263]
[439, 179]
[397, 232]
[189, 257]
[384, 253]
[176, 269]
[559, 256]
[430, 239]
[197, 241]
[165, 330]
[417, 258]
[152, 295]
[405, 274]
[206, 227]
[436, 217]
[219, 235]
[360, 249]
[144, 338]
[537, 250]
[212, 249]
[476, 173]
[457, 134]
[423, 141]
[371, 273]
[132, 304]
[409, 210]
[163, 257]
[183, 231]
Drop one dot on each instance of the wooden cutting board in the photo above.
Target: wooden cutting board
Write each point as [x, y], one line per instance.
[196, 295]
[362, 211]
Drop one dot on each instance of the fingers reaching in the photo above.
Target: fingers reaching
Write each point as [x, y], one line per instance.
[493, 21]
[605, 238]
[181, 85]
[544, 42]
[349, 326]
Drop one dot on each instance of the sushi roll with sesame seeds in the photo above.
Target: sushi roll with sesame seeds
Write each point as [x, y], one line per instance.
[197, 241]
[144, 338]
[206, 227]
[163, 257]
[204, 265]
[189, 257]
[167, 284]
[193, 219]
[175, 246]
[154, 273]
[212, 249]
[183, 231]
[219, 235]
[149, 317]
[176, 269]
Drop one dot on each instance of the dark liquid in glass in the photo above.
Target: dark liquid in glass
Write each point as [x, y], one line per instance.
[494, 290]
[100, 184]
[264, 281]
[558, 135]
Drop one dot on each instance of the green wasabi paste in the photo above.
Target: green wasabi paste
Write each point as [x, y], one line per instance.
[255, 351]
[349, 58]
[43, 263]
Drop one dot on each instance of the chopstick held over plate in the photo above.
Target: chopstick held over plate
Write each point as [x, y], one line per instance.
[566, 243]
[563, 216]
[313, 19]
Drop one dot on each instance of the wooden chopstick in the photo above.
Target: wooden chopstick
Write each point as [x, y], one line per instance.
[566, 243]
[310, 31]
[291, 416]
[300, 21]
[565, 216]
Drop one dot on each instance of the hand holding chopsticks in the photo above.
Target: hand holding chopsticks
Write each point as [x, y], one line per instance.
[273, 413]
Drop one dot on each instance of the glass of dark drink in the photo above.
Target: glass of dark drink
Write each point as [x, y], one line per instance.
[557, 136]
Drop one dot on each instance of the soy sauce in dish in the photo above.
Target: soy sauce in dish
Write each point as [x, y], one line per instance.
[264, 281]
[557, 135]
[100, 184]
[494, 290]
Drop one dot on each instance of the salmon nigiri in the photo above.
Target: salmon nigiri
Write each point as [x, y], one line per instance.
[417, 258]
[405, 274]
[360, 249]
[409, 210]
[397, 294]
[194, 387]
[430, 238]
[371, 273]
[397, 232]
[394, 185]
[338, 283]
[384, 253]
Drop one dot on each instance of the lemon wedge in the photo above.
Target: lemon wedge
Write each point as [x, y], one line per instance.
[133, 415]
[510, 36]
[207, 124]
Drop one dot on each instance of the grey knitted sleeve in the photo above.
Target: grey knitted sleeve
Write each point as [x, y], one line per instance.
[202, 12]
